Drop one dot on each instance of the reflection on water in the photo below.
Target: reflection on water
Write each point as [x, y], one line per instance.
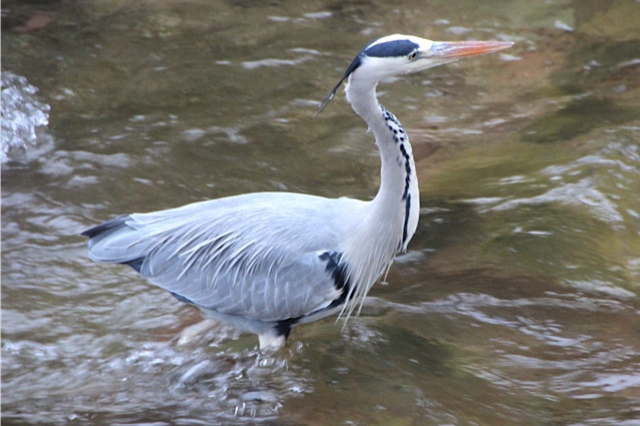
[516, 303]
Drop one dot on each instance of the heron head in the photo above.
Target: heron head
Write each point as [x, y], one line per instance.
[402, 54]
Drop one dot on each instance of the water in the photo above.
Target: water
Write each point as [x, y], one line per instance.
[516, 303]
[22, 117]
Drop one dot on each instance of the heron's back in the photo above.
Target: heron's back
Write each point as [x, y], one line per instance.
[263, 256]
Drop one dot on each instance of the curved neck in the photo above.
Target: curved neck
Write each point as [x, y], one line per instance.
[389, 221]
[397, 199]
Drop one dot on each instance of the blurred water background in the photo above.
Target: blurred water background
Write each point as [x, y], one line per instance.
[516, 304]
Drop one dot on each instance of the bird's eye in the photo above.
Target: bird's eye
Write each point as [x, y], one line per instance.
[412, 56]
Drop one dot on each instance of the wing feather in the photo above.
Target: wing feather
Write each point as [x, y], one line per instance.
[257, 256]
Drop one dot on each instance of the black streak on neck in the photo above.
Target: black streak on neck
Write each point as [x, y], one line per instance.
[400, 138]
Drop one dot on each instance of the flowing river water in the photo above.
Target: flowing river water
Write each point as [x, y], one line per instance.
[516, 303]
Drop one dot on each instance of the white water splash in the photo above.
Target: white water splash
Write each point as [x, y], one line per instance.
[22, 114]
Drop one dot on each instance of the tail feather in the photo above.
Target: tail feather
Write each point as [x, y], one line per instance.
[112, 224]
[104, 244]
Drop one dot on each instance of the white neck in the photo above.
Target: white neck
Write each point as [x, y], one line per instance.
[392, 217]
[398, 180]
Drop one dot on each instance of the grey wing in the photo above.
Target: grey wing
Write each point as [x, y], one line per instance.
[266, 257]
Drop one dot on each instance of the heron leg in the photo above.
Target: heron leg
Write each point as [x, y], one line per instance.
[196, 331]
[271, 341]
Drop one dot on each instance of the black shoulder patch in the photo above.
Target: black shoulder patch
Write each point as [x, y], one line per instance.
[335, 268]
[391, 49]
[339, 274]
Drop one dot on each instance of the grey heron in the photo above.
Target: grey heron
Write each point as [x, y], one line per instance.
[265, 262]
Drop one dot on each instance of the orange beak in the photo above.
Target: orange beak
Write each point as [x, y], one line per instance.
[456, 49]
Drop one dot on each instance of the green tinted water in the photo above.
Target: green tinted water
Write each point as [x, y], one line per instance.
[516, 303]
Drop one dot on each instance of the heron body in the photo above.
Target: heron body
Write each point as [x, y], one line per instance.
[265, 262]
